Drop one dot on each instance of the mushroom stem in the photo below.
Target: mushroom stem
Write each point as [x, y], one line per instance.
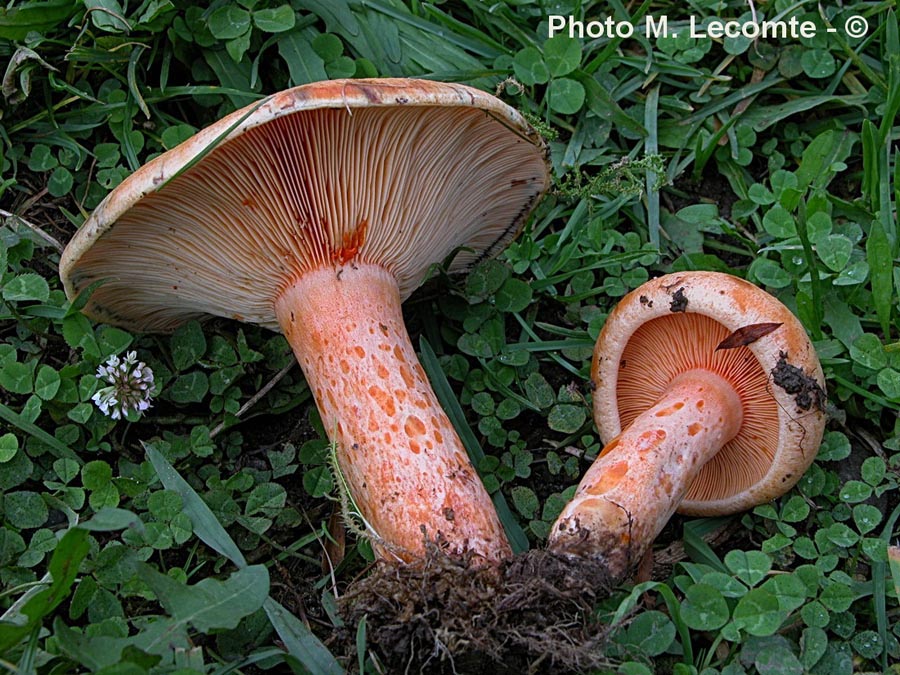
[405, 466]
[641, 476]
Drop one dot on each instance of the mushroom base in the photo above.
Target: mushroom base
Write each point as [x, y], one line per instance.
[633, 488]
[405, 467]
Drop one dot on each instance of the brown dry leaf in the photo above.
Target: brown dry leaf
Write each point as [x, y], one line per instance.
[747, 335]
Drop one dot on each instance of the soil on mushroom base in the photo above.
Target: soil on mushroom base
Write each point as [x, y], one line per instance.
[531, 614]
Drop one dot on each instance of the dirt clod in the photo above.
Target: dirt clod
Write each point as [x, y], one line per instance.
[679, 301]
[804, 388]
[532, 614]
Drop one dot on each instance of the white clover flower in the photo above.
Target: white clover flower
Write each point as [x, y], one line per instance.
[130, 386]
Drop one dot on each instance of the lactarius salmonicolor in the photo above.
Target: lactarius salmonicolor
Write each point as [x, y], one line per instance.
[317, 212]
[710, 398]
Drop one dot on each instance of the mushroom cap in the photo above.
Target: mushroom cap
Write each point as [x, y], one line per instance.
[395, 172]
[677, 322]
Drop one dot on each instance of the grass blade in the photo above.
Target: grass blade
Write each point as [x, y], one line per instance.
[696, 547]
[813, 267]
[879, 585]
[133, 85]
[206, 526]
[630, 602]
[894, 562]
[297, 638]
[300, 641]
[56, 446]
[651, 147]
[361, 645]
[878, 254]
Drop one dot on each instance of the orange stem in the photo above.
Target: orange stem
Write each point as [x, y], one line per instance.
[406, 468]
[634, 486]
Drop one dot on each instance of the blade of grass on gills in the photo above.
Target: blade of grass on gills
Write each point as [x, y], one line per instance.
[215, 142]
[517, 538]
[299, 640]
[57, 447]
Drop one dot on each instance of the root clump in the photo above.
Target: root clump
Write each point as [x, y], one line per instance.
[530, 614]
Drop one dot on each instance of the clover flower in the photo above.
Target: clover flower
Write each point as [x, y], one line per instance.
[130, 386]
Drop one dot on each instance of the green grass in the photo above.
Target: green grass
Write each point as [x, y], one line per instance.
[774, 160]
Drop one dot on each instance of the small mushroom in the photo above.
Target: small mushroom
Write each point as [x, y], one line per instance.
[710, 399]
[317, 212]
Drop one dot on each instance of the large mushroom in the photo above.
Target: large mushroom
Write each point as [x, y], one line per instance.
[710, 398]
[317, 212]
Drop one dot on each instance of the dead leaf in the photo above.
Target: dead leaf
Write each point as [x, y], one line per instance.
[747, 335]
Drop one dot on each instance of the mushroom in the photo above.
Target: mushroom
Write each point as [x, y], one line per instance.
[710, 398]
[317, 212]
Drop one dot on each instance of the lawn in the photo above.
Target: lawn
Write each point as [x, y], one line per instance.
[209, 529]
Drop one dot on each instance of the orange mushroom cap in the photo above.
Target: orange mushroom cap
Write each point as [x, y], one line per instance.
[678, 322]
[397, 172]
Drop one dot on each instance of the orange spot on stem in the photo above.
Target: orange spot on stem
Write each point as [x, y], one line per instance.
[650, 440]
[383, 399]
[414, 426]
[610, 478]
[665, 412]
